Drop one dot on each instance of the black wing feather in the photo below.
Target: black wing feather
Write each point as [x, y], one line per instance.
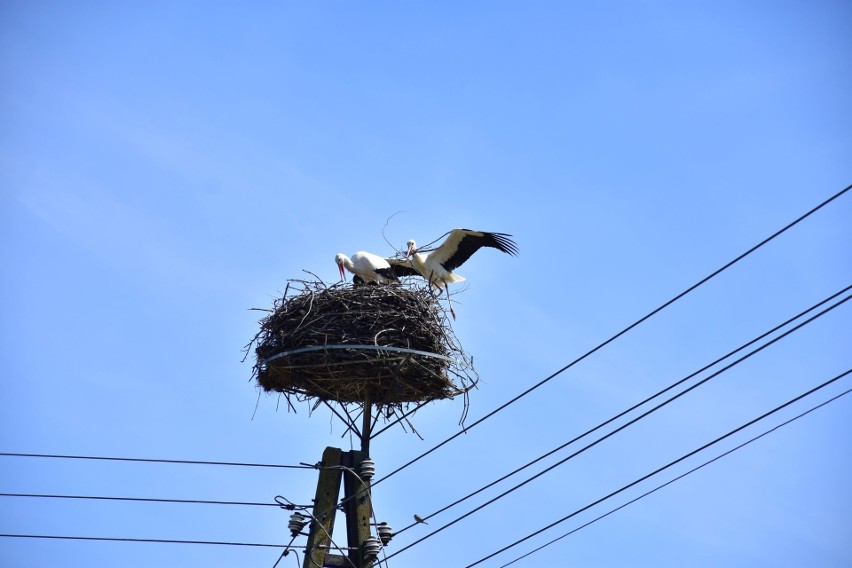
[472, 243]
[389, 273]
[400, 268]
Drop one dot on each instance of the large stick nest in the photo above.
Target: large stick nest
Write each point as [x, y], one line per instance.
[389, 345]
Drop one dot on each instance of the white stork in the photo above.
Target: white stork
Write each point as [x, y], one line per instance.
[437, 267]
[367, 267]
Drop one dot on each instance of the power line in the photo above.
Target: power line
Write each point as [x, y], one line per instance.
[148, 540]
[632, 408]
[625, 425]
[613, 338]
[619, 334]
[138, 499]
[149, 460]
[679, 477]
[250, 544]
[663, 468]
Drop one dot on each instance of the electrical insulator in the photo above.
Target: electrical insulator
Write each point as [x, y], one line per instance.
[368, 469]
[372, 546]
[385, 533]
[297, 523]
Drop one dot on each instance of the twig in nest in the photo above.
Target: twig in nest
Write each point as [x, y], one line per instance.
[387, 222]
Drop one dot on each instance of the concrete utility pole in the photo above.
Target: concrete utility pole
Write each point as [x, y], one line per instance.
[338, 465]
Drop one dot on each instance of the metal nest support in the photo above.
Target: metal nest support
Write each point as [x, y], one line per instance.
[391, 345]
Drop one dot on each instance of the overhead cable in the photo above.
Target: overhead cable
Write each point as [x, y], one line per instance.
[149, 460]
[249, 544]
[619, 334]
[148, 540]
[632, 408]
[665, 467]
[681, 476]
[625, 425]
[138, 499]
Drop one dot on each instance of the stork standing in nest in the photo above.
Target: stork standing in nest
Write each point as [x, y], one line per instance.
[437, 266]
[367, 267]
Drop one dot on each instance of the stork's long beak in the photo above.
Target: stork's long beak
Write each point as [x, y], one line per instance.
[342, 274]
[410, 252]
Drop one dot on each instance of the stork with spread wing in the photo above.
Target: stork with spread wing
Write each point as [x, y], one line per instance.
[437, 266]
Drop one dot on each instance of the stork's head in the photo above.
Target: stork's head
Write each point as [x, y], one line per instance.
[339, 258]
[412, 248]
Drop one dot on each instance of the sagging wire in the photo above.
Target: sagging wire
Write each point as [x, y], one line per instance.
[679, 477]
[622, 332]
[625, 425]
[665, 467]
[151, 460]
[137, 499]
[635, 406]
[290, 506]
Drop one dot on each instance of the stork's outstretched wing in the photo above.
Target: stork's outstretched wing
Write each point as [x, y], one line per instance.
[462, 243]
[401, 267]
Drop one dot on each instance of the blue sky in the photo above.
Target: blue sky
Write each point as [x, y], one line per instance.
[164, 166]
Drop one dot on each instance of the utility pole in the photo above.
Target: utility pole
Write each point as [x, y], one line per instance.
[355, 469]
[335, 357]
